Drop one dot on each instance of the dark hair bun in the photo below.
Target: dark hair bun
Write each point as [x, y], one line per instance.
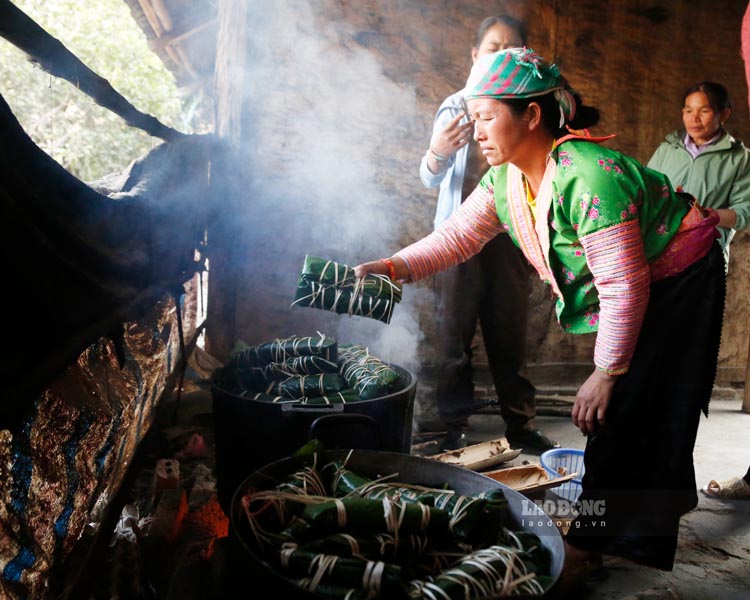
[586, 116]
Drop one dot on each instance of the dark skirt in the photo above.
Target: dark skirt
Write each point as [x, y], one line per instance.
[640, 463]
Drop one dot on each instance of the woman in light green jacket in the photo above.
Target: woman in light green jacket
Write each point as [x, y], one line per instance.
[704, 160]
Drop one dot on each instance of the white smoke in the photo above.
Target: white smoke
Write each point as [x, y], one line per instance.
[323, 123]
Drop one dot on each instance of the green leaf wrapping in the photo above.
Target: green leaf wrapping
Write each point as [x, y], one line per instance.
[366, 373]
[280, 350]
[373, 576]
[307, 375]
[473, 520]
[441, 545]
[532, 546]
[297, 365]
[362, 515]
[492, 571]
[332, 286]
[382, 546]
[342, 397]
[337, 274]
[305, 482]
[476, 521]
[340, 480]
[305, 386]
[270, 512]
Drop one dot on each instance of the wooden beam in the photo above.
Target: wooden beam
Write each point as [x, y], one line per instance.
[174, 37]
[185, 61]
[56, 59]
[151, 17]
[223, 285]
[162, 12]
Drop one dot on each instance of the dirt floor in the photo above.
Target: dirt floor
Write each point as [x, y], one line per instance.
[713, 557]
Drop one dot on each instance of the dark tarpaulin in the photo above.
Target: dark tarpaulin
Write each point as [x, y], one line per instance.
[78, 262]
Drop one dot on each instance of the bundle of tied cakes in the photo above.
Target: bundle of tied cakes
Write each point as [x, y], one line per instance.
[341, 534]
[332, 286]
[309, 370]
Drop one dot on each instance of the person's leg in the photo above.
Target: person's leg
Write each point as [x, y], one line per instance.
[456, 325]
[639, 464]
[503, 315]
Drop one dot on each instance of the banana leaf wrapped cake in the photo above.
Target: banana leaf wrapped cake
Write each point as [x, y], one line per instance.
[313, 370]
[340, 534]
[364, 372]
[281, 350]
[332, 286]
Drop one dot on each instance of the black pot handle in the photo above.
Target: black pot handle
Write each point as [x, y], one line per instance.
[323, 409]
[319, 425]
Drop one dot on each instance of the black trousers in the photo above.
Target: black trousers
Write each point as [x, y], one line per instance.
[640, 463]
[491, 288]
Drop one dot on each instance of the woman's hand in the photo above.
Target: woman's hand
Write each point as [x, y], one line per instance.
[727, 217]
[454, 137]
[378, 267]
[399, 272]
[592, 400]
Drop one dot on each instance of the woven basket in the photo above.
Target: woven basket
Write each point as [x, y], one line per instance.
[564, 461]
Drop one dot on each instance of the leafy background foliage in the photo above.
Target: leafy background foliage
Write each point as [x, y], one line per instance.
[85, 138]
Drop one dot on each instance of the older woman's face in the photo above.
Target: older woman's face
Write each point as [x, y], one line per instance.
[701, 121]
[498, 131]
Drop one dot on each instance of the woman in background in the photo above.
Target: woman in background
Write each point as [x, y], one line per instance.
[704, 160]
[492, 287]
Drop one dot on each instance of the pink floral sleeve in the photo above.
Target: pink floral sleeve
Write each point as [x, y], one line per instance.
[621, 274]
[458, 239]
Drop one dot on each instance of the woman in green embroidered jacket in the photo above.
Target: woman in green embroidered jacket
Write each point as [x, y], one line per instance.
[627, 258]
[704, 160]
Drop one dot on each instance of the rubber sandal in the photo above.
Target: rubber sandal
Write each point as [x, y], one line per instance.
[735, 488]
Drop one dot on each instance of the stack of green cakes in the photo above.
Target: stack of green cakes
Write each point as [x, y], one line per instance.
[313, 370]
[340, 534]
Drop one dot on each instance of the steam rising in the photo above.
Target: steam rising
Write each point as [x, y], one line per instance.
[322, 121]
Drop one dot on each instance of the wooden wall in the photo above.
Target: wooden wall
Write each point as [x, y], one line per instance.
[337, 113]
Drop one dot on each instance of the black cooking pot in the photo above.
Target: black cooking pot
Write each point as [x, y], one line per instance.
[252, 433]
[244, 561]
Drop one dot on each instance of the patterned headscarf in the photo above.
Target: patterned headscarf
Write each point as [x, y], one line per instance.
[519, 73]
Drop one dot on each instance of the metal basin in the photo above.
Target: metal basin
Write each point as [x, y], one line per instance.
[525, 515]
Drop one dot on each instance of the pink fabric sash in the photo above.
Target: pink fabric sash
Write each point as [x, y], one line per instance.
[693, 240]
